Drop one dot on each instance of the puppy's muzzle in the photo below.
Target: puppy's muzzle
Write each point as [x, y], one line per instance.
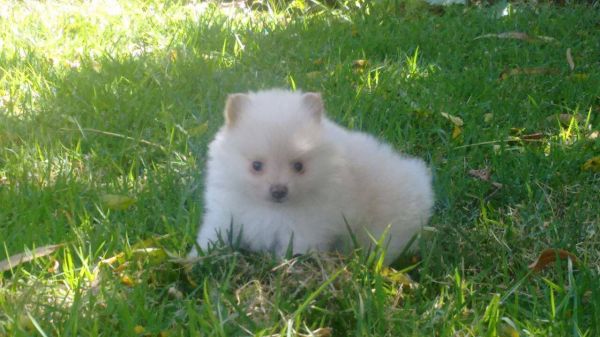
[278, 192]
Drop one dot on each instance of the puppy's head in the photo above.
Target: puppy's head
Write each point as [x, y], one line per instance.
[276, 143]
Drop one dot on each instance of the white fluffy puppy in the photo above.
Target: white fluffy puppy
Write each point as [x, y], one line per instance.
[281, 174]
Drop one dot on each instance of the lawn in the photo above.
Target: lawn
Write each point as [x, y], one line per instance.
[106, 109]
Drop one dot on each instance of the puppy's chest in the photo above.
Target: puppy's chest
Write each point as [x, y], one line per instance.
[307, 224]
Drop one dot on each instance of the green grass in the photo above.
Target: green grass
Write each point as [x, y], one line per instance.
[96, 101]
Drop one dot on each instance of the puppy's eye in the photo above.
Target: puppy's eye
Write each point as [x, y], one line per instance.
[298, 166]
[257, 165]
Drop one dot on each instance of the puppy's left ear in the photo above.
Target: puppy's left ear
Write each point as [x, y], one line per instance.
[234, 106]
[314, 103]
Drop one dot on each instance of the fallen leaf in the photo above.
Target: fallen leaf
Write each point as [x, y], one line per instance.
[592, 164]
[456, 132]
[27, 256]
[127, 281]
[138, 329]
[121, 267]
[481, 174]
[594, 135]
[550, 255]
[535, 137]
[53, 269]
[111, 260]
[117, 202]
[528, 71]
[454, 119]
[570, 59]
[360, 64]
[517, 36]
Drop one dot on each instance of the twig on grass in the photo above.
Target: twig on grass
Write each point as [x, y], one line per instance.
[116, 135]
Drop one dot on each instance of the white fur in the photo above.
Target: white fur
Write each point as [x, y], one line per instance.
[349, 177]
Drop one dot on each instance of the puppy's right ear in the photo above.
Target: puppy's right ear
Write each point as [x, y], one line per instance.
[314, 103]
[233, 108]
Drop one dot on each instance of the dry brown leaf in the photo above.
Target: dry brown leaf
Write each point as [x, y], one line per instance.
[481, 174]
[27, 256]
[528, 71]
[533, 136]
[570, 59]
[550, 255]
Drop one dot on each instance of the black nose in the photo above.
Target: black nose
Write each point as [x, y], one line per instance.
[278, 192]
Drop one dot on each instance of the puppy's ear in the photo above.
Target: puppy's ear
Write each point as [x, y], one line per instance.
[233, 108]
[314, 103]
